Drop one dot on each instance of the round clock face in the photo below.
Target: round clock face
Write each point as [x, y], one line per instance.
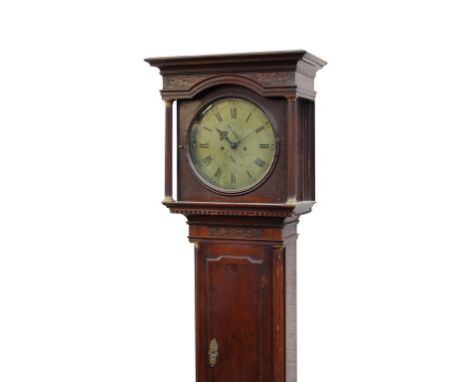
[232, 145]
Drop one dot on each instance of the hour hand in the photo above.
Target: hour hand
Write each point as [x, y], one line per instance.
[222, 134]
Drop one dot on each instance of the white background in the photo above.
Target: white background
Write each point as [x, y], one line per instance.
[96, 277]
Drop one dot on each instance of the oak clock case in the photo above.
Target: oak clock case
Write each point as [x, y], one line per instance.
[243, 183]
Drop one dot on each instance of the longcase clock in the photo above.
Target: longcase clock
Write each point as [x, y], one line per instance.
[245, 173]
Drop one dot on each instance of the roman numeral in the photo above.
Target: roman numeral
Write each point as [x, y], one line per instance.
[207, 128]
[263, 146]
[217, 115]
[249, 174]
[261, 128]
[233, 112]
[204, 145]
[260, 162]
[217, 174]
[207, 160]
[248, 117]
[233, 178]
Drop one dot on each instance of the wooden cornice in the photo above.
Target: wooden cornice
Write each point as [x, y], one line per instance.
[285, 73]
[217, 63]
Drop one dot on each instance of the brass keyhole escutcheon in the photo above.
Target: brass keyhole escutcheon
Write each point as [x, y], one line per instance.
[213, 352]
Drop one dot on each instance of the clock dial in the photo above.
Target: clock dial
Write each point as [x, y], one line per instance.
[232, 144]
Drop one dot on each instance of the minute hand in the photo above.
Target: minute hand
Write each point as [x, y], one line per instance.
[248, 135]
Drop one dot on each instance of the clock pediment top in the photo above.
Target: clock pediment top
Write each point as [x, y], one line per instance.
[236, 62]
[286, 73]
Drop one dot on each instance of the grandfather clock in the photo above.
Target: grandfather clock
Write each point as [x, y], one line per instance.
[245, 173]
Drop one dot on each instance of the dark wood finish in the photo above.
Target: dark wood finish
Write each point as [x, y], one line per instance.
[245, 244]
[270, 74]
[245, 293]
[189, 185]
[168, 153]
[292, 149]
[281, 82]
[305, 178]
[234, 281]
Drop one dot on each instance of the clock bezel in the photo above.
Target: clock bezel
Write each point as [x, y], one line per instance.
[200, 109]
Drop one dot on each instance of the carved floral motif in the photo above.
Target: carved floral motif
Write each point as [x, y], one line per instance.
[273, 79]
[267, 79]
[182, 82]
[247, 233]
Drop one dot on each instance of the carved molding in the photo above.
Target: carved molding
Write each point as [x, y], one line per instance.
[182, 82]
[238, 209]
[274, 79]
[234, 258]
[230, 232]
[197, 211]
[265, 84]
[211, 81]
[266, 79]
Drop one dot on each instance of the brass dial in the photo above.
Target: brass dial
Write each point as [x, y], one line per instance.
[232, 144]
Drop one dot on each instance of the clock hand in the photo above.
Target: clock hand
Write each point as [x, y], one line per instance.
[234, 132]
[248, 135]
[224, 135]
